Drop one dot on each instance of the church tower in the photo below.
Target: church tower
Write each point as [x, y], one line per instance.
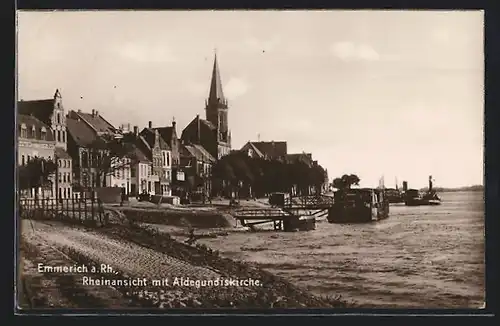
[216, 108]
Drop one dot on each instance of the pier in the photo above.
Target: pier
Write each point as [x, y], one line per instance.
[294, 212]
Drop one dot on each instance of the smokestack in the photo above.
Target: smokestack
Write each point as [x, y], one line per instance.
[405, 185]
[150, 124]
[136, 131]
[430, 183]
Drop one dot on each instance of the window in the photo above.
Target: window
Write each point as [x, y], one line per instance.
[43, 134]
[168, 158]
[132, 172]
[64, 178]
[59, 135]
[60, 177]
[58, 117]
[64, 136]
[69, 163]
[33, 132]
[22, 160]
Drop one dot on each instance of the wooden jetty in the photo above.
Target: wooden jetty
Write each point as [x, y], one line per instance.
[294, 213]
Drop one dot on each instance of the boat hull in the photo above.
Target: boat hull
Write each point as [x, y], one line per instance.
[422, 202]
[342, 214]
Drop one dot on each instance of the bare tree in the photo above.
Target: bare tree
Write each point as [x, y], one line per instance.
[108, 155]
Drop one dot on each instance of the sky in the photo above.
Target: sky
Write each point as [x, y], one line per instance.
[392, 94]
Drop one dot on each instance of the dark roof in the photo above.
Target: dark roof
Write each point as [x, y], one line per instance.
[207, 157]
[81, 133]
[30, 121]
[192, 127]
[96, 121]
[166, 133]
[197, 152]
[271, 149]
[208, 123]
[140, 155]
[215, 93]
[61, 153]
[254, 148]
[149, 136]
[304, 157]
[42, 109]
[139, 145]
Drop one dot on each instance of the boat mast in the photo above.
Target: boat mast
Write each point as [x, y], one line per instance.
[430, 183]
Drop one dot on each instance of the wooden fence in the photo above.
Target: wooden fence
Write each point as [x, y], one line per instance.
[88, 211]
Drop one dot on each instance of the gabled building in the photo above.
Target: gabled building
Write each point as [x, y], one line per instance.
[213, 132]
[197, 163]
[160, 155]
[270, 150]
[100, 127]
[51, 113]
[84, 163]
[141, 174]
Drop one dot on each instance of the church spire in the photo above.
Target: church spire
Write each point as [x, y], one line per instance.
[216, 94]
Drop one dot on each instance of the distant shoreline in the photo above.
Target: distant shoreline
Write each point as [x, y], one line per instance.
[470, 188]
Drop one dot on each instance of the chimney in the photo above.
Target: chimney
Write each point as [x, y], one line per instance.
[150, 124]
[96, 113]
[79, 111]
[136, 131]
[173, 123]
[93, 112]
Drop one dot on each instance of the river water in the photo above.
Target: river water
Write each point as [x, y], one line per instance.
[420, 257]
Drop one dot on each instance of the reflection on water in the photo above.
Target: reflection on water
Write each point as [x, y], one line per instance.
[419, 257]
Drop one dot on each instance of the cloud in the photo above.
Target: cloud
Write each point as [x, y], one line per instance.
[235, 87]
[145, 53]
[351, 51]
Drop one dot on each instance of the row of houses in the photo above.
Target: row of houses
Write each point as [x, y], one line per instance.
[163, 163]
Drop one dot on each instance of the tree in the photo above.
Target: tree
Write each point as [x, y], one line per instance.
[109, 154]
[35, 174]
[318, 177]
[346, 181]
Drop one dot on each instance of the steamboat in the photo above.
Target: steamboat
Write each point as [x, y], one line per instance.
[414, 197]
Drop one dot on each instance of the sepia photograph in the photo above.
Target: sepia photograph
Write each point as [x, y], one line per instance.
[250, 159]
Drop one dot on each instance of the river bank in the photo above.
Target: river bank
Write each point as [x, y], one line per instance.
[420, 257]
[134, 251]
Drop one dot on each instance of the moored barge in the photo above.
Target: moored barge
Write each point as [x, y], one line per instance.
[359, 206]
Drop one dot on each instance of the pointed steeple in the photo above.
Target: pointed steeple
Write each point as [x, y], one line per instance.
[57, 94]
[216, 93]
